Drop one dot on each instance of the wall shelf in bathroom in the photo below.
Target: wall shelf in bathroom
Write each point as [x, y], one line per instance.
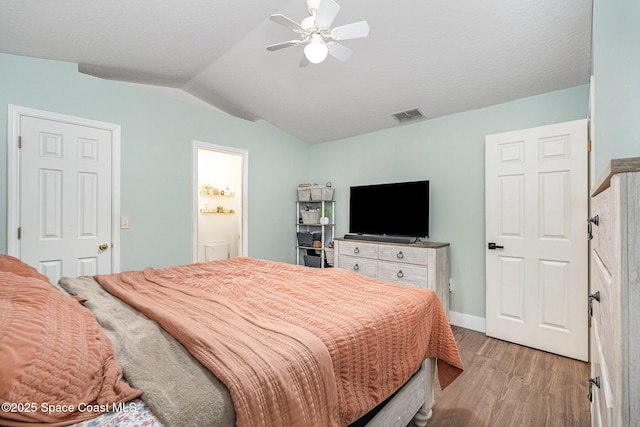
[215, 211]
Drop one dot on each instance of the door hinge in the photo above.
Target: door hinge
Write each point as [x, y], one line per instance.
[19, 233]
[19, 142]
[589, 322]
[588, 145]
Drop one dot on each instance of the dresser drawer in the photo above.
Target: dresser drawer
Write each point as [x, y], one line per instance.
[366, 267]
[403, 274]
[602, 410]
[605, 319]
[402, 254]
[603, 236]
[359, 249]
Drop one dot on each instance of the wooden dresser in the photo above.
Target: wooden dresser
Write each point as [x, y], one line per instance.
[422, 264]
[615, 296]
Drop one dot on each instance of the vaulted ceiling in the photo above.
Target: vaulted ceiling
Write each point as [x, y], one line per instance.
[439, 56]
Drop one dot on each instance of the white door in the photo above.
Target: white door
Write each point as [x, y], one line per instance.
[65, 198]
[536, 211]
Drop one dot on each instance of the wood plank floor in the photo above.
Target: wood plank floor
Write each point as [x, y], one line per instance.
[505, 384]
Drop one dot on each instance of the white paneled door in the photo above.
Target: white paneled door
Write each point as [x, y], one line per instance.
[65, 197]
[536, 236]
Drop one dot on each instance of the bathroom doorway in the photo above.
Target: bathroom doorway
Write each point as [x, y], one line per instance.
[220, 202]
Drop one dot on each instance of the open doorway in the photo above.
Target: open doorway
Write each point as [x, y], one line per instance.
[220, 202]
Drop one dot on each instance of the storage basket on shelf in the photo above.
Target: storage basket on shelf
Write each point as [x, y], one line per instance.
[311, 216]
[328, 253]
[304, 193]
[305, 239]
[313, 261]
[321, 193]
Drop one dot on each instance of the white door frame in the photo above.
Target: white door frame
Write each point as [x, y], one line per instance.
[13, 172]
[245, 193]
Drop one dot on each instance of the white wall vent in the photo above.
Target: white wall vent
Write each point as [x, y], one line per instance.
[408, 115]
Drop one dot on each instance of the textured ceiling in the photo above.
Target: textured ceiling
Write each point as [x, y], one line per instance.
[440, 56]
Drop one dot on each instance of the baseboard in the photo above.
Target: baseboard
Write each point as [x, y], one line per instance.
[467, 321]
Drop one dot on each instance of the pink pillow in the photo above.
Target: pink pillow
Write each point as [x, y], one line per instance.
[14, 265]
[54, 355]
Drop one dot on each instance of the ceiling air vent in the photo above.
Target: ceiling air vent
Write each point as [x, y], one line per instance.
[408, 115]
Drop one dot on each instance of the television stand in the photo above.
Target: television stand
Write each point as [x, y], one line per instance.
[382, 238]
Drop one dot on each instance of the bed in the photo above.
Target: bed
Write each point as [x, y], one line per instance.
[232, 342]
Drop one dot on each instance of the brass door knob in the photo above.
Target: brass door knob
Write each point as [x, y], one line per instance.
[103, 247]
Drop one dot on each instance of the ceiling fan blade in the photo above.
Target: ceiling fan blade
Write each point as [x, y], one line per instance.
[340, 52]
[282, 45]
[287, 22]
[327, 12]
[351, 31]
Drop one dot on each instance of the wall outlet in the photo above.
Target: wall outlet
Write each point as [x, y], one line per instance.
[450, 285]
[124, 222]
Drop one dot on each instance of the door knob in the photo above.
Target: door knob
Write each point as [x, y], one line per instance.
[494, 246]
[103, 247]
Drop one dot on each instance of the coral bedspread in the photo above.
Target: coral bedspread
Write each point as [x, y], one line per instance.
[295, 347]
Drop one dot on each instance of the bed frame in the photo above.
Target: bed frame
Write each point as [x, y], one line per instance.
[414, 400]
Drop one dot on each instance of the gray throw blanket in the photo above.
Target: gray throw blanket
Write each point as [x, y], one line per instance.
[177, 388]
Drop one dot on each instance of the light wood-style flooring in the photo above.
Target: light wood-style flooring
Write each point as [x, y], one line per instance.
[509, 385]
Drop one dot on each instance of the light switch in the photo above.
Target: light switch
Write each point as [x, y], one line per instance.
[124, 222]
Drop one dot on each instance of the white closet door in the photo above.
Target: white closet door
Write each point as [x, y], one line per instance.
[536, 209]
[65, 198]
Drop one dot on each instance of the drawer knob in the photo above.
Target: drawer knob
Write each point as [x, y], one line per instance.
[594, 296]
[593, 381]
[593, 220]
[400, 274]
[356, 267]
[400, 255]
[356, 250]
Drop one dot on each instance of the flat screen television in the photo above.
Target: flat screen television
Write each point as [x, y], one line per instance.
[397, 209]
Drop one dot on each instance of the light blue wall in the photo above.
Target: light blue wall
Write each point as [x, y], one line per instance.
[457, 203]
[156, 153]
[448, 151]
[616, 69]
[157, 135]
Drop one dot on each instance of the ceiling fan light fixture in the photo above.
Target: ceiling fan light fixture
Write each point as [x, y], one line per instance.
[316, 33]
[316, 50]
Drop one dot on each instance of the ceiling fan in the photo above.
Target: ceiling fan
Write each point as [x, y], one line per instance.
[315, 30]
